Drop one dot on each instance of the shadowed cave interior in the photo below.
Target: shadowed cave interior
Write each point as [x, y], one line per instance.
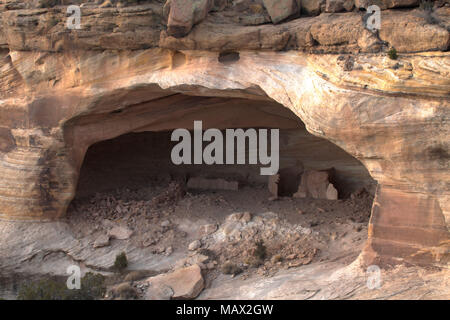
[138, 160]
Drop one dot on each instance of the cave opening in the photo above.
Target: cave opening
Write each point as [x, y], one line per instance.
[135, 159]
[131, 180]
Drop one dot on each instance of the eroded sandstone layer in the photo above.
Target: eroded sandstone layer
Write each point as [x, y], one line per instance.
[153, 66]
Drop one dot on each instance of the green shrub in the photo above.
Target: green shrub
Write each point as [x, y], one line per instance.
[92, 287]
[260, 251]
[44, 290]
[231, 268]
[121, 262]
[392, 53]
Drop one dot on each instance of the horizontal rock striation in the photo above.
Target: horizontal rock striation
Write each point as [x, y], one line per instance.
[125, 71]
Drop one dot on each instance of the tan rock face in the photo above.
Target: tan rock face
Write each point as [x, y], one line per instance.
[339, 5]
[316, 184]
[183, 14]
[385, 4]
[392, 115]
[186, 283]
[312, 7]
[281, 9]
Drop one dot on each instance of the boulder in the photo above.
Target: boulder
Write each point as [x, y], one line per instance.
[281, 9]
[183, 14]
[312, 7]
[417, 35]
[332, 193]
[120, 233]
[185, 283]
[159, 292]
[339, 5]
[316, 184]
[369, 42]
[101, 241]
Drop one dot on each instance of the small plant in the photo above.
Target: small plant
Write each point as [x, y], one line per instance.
[426, 5]
[92, 287]
[43, 290]
[260, 251]
[231, 268]
[121, 262]
[392, 54]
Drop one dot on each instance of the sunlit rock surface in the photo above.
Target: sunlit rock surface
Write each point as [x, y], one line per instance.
[63, 90]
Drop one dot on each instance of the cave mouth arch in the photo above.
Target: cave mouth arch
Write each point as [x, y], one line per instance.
[130, 176]
[146, 149]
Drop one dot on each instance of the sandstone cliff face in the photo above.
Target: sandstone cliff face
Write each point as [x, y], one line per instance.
[138, 68]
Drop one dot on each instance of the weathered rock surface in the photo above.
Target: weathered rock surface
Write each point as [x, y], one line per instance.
[120, 233]
[186, 283]
[316, 184]
[339, 5]
[101, 241]
[146, 26]
[183, 14]
[312, 7]
[128, 74]
[332, 281]
[281, 9]
[385, 4]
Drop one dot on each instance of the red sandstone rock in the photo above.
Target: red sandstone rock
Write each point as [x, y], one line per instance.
[184, 14]
[312, 7]
[339, 5]
[389, 114]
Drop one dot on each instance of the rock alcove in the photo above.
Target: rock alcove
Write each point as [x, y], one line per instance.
[134, 159]
[316, 73]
